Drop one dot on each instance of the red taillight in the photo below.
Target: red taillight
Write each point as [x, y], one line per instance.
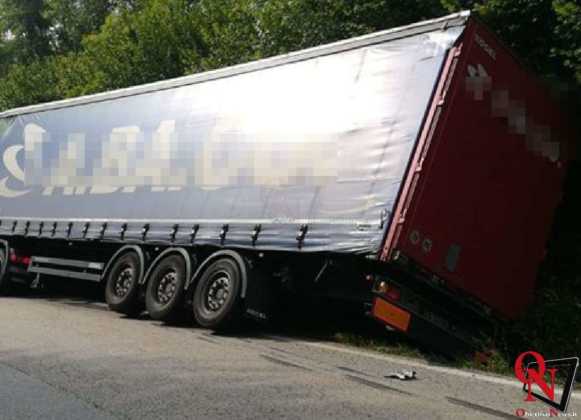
[393, 293]
[19, 259]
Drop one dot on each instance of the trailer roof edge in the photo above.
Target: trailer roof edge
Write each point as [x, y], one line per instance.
[445, 22]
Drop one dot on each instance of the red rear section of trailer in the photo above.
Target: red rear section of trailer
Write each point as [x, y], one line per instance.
[482, 189]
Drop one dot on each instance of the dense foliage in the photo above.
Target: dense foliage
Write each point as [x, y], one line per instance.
[53, 49]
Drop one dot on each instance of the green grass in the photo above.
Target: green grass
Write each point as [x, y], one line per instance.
[379, 345]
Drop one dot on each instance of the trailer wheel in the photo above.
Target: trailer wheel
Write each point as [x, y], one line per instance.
[164, 296]
[217, 303]
[122, 287]
[4, 274]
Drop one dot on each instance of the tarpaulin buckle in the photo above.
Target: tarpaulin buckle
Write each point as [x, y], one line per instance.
[123, 230]
[174, 232]
[223, 233]
[86, 229]
[194, 232]
[144, 231]
[26, 228]
[102, 230]
[255, 233]
[301, 235]
[69, 229]
[53, 230]
[40, 228]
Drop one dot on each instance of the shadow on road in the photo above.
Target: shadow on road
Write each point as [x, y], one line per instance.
[308, 318]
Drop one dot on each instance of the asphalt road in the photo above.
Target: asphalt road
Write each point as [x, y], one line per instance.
[66, 358]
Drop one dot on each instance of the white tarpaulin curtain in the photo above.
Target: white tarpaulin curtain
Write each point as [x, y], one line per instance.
[324, 142]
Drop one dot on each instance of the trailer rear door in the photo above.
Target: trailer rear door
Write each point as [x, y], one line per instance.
[484, 189]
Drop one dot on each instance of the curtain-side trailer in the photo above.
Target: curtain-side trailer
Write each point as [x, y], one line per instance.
[415, 169]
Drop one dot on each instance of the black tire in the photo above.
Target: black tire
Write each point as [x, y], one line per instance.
[164, 297]
[5, 282]
[217, 303]
[122, 287]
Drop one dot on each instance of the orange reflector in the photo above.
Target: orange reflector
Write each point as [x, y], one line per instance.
[391, 314]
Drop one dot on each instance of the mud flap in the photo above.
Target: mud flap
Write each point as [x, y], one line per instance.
[260, 296]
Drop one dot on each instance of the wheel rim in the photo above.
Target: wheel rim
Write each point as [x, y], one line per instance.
[166, 289]
[219, 289]
[124, 281]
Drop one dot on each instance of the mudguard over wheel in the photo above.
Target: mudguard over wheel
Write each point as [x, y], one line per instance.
[217, 303]
[164, 297]
[122, 287]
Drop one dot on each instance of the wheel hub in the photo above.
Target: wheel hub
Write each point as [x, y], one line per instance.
[124, 282]
[167, 287]
[218, 292]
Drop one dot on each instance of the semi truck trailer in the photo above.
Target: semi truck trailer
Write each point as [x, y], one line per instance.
[414, 170]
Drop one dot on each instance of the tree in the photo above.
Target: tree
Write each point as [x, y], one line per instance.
[107, 44]
[228, 32]
[71, 20]
[568, 31]
[545, 33]
[528, 26]
[287, 25]
[153, 42]
[27, 29]
[6, 53]
[76, 76]
[31, 83]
